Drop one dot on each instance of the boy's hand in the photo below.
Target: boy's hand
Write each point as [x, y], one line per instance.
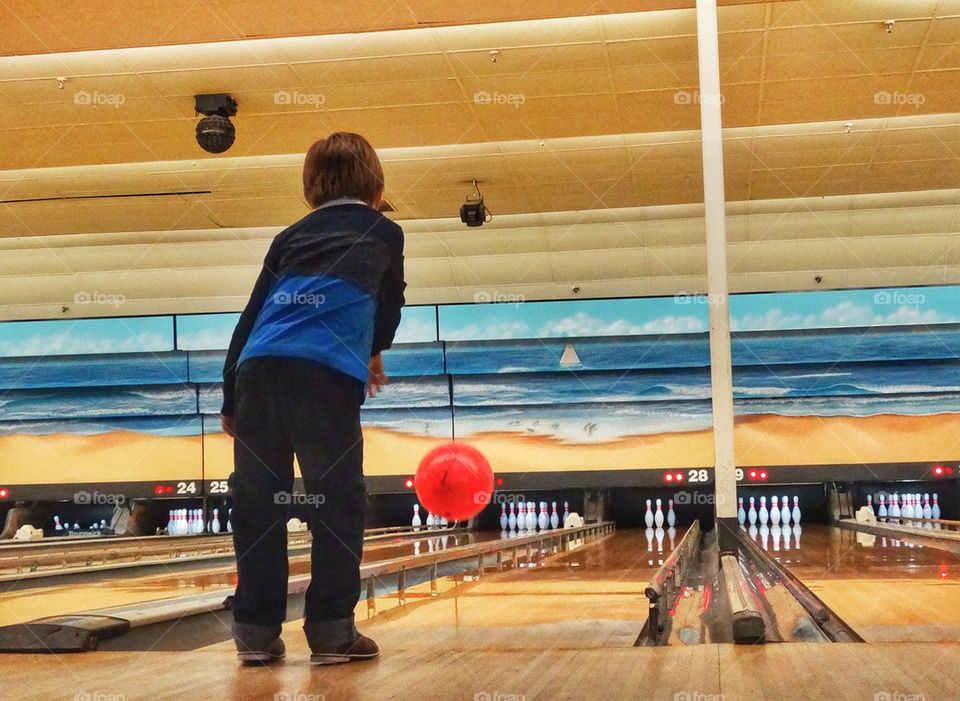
[378, 377]
[226, 422]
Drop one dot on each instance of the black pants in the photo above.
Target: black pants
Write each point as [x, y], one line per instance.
[286, 406]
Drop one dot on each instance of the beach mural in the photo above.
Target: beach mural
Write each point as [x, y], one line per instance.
[821, 378]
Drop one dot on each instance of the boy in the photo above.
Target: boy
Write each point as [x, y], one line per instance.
[326, 304]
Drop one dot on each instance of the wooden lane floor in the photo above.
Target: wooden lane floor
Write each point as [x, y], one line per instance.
[31, 599]
[886, 590]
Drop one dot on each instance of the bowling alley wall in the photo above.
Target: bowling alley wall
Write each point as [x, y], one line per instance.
[837, 378]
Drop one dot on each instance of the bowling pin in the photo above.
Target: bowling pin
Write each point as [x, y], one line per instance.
[752, 514]
[531, 516]
[521, 517]
[103, 523]
[58, 527]
[763, 514]
[215, 524]
[658, 516]
[870, 504]
[443, 522]
[554, 517]
[417, 521]
[671, 517]
[795, 515]
[775, 518]
[648, 516]
[76, 526]
[935, 509]
[566, 513]
[882, 509]
[512, 518]
[741, 514]
[894, 506]
[907, 510]
[927, 509]
[503, 517]
[230, 521]
[784, 511]
[431, 521]
[544, 519]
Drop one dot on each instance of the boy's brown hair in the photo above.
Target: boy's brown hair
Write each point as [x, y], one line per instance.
[342, 165]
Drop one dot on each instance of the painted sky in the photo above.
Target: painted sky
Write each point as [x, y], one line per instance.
[574, 318]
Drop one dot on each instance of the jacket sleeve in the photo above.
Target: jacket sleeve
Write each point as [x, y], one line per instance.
[245, 325]
[390, 299]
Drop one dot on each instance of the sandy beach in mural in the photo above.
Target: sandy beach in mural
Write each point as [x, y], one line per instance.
[118, 456]
[760, 440]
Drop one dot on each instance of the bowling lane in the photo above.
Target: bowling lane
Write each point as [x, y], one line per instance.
[589, 597]
[29, 600]
[885, 589]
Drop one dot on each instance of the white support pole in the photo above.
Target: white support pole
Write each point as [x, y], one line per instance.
[721, 376]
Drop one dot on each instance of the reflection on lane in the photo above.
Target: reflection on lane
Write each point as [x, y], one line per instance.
[20, 602]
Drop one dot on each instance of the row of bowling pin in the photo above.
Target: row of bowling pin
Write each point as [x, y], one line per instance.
[190, 522]
[777, 532]
[778, 514]
[905, 506]
[430, 522]
[102, 525]
[526, 518]
[656, 518]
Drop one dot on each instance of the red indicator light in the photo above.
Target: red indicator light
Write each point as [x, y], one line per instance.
[408, 484]
[668, 477]
[499, 481]
[763, 475]
[753, 474]
[949, 470]
[938, 470]
[158, 489]
[679, 477]
[4, 492]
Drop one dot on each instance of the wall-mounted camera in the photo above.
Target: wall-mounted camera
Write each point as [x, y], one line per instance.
[215, 132]
[474, 211]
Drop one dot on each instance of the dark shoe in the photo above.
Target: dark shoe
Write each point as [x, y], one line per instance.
[258, 644]
[336, 642]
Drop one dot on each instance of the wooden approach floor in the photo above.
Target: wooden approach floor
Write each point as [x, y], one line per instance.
[885, 671]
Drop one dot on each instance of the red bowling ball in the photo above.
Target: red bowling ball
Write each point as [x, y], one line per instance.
[454, 481]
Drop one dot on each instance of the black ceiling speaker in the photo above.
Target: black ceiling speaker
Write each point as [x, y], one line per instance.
[215, 132]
